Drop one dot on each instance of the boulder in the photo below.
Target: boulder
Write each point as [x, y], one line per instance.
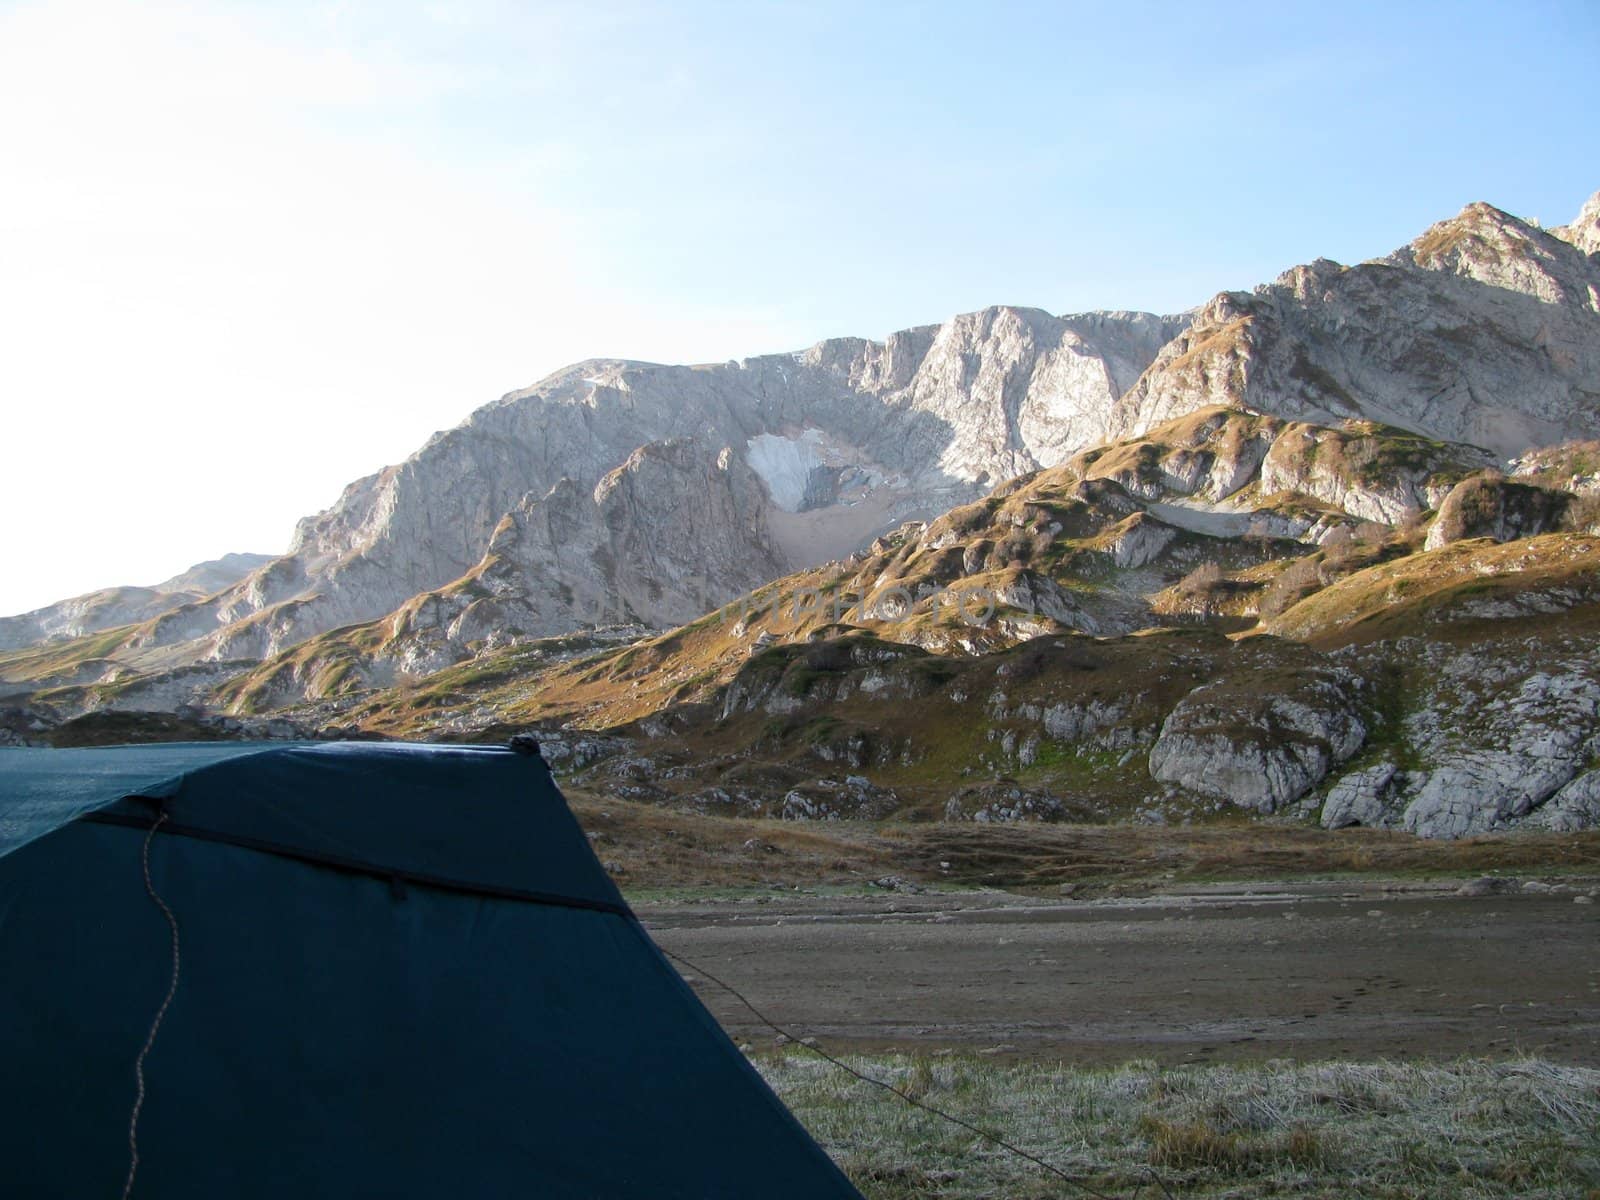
[1261, 749]
[1364, 797]
[1489, 505]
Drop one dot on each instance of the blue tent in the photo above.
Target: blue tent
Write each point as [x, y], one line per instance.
[400, 973]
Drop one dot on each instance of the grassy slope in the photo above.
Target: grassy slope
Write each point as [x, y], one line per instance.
[1420, 593]
[1059, 525]
[54, 659]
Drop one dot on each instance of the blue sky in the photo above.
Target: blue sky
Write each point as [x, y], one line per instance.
[250, 252]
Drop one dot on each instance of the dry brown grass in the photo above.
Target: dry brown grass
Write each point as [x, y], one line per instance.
[1144, 857]
[1399, 598]
[1198, 1145]
[647, 847]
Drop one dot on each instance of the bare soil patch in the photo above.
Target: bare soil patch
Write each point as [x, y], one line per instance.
[1220, 974]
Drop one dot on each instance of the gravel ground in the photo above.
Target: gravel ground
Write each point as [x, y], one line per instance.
[1213, 974]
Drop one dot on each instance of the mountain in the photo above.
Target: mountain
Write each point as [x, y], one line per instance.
[111, 607]
[1341, 456]
[852, 436]
[1484, 330]
[1149, 631]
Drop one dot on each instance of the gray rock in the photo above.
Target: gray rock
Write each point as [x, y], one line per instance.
[1489, 885]
[831, 800]
[1576, 806]
[1260, 751]
[987, 803]
[1366, 472]
[1500, 749]
[1482, 331]
[1494, 507]
[1584, 232]
[1363, 797]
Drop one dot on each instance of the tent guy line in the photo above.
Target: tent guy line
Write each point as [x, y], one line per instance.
[811, 1045]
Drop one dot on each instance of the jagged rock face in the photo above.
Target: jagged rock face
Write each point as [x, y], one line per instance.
[899, 429]
[1485, 331]
[677, 529]
[1493, 507]
[673, 532]
[1584, 232]
[1497, 738]
[1020, 389]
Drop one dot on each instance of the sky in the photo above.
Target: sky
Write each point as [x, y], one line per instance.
[252, 252]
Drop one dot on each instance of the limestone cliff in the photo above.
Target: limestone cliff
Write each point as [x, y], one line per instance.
[1485, 330]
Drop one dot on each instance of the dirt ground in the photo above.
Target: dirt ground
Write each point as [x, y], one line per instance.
[1201, 973]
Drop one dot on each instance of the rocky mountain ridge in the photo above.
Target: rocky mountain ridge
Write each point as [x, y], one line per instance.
[109, 608]
[1484, 331]
[1348, 454]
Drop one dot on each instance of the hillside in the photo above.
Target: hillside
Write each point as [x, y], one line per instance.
[1248, 559]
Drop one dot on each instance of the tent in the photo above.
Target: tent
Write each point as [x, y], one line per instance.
[400, 972]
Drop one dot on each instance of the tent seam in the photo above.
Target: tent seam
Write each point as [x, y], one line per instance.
[360, 867]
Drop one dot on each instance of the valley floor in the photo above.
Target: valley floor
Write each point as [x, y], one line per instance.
[1211, 974]
[1323, 1040]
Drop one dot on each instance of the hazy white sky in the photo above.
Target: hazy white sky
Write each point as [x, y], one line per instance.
[251, 252]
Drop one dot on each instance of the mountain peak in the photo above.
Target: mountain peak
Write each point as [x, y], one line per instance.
[1584, 232]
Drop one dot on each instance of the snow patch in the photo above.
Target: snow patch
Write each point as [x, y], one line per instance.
[785, 465]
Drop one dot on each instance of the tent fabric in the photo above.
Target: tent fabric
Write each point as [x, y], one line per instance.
[45, 789]
[403, 975]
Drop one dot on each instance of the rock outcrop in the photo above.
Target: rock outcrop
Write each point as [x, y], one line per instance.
[1484, 331]
[1363, 797]
[1584, 231]
[1493, 739]
[987, 803]
[1491, 506]
[1370, 471]
[1261, 747]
